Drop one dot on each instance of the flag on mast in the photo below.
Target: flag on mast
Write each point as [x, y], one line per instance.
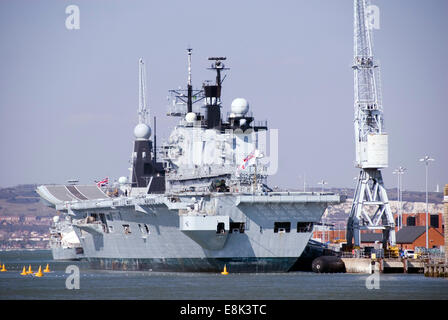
[103, 182]
[250, 159]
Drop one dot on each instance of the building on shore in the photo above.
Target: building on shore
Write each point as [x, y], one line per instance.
[408, 237]
[445, 200]
[419, 219]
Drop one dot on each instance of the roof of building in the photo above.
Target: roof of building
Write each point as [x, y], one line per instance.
[407, 234]
[410, 234]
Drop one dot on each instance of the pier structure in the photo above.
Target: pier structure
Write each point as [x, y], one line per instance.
[383, 265]
[439, 267]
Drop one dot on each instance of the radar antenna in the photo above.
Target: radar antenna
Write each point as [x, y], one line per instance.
[180, 97]
[370, 139]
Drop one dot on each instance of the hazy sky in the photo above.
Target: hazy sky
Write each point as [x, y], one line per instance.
[68, 98]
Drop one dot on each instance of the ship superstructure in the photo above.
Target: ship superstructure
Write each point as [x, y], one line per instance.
[211, 205]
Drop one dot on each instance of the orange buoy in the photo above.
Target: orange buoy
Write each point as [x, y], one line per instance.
[24, 273]
[39, 272]
[3, 268]
[47, 268]
[225, 270]
[29, 270]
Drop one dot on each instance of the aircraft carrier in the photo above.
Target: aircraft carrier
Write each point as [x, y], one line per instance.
[197, 203]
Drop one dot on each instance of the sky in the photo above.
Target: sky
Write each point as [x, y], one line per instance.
[69, 97]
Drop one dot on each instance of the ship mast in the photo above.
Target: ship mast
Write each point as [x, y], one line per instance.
[370, 139]
[181, 98]
[189, 85]
[143, 110]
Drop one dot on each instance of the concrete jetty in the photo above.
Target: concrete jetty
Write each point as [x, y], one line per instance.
[383, 265]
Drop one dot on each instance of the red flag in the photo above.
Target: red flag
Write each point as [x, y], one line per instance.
[102, 182]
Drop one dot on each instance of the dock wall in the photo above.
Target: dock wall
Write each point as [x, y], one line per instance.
[367, 265]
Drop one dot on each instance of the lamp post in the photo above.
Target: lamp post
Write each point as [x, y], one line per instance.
[323, 223]
[426, 160]
[399, 172]
[304, 182]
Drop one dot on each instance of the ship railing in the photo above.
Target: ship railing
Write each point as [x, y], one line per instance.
[379, 253]
[176, 109]
[249, 114]
[261, 123]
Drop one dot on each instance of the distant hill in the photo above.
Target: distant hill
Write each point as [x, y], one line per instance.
[22, 200]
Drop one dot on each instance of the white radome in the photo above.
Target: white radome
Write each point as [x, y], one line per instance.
[122, 180]
[142, 131]
[239, 106]
[190, 117]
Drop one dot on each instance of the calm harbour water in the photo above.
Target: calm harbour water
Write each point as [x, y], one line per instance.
[95, 284]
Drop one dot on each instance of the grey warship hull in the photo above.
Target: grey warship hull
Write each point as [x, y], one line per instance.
[235, 265]
[245, 233]
[67, 254]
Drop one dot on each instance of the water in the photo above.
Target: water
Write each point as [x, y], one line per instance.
[95, 284]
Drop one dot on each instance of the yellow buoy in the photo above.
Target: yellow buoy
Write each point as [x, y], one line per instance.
[39, 273]
[3, 268]
[29, 270]
[225, 270]
[24, 273]
[47, 268]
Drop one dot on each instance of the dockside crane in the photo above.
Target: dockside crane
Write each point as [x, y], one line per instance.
[371, 140]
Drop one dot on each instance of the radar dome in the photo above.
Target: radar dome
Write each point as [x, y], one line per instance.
[239, 107]
[142, 131]
[122, 180]
[190, 117]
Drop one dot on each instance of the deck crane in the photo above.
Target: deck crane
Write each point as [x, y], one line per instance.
[370, 138]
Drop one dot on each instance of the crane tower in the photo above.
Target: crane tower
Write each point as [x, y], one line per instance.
[371, 209]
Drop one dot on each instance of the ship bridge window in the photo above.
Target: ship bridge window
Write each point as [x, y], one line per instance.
[237, 227]
[304, 226]
[282, 227]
